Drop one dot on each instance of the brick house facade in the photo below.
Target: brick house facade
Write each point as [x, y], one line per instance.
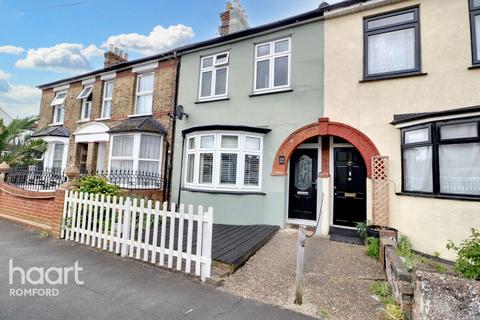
[87, 141]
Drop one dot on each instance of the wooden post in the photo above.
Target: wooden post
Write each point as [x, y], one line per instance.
[300, 260]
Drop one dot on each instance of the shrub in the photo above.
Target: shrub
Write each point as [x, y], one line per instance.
[380, 288]
[96, 184]
[361, 229]
[373, 247]
[393, 311]
[468, 255]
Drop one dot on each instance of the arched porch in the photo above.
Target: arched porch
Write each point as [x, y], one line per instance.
[343, 172]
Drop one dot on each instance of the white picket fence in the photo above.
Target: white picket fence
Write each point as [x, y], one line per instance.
[131, 228]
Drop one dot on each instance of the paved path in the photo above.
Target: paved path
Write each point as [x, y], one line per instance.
[115, 288]
[337, 277]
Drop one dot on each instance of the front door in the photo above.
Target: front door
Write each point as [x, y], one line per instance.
[350, 201]
[302, 202]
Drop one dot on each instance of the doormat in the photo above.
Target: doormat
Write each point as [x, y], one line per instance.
[345, 235]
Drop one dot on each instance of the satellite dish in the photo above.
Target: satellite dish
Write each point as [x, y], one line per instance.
[179, 112]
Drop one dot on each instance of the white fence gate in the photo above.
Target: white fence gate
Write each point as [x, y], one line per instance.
[142, 230]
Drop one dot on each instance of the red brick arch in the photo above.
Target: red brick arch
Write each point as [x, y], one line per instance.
[324, 128]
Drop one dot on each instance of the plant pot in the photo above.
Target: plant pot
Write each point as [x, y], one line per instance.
[374, 231]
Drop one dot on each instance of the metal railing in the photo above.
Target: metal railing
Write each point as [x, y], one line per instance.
[38, 178]
[35, 178]
[129, 179]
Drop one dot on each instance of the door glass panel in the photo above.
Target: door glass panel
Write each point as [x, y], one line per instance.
[303, 173]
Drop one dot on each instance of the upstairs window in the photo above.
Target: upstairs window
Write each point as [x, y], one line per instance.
[272, 65]
[392, 44]
[58, 104]
[442, 158]
[475, 30]
[225, 161]
[214, 76]
[144, 96]
[107, 99]
[86, 97]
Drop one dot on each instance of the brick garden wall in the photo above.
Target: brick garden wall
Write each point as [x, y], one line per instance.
[38, 210]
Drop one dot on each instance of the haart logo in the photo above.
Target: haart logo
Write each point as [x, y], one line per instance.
[40, 276]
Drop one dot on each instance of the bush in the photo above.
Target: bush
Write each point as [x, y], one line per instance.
[468, 255]
[380, 289]
[95, 184]
[373, 247]
[361, 229]
[404, 249]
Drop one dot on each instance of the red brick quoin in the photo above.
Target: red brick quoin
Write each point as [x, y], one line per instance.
[324, 128]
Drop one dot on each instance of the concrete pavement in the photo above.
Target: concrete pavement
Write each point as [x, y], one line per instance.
[114, 287]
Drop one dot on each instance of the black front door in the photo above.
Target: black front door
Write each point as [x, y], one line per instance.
[302, 202]
[349, 200]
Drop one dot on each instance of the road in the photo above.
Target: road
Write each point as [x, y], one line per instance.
[113, 287]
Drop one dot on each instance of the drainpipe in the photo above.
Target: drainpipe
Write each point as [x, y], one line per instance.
[174, 125]
[166, 182]
[181, 170]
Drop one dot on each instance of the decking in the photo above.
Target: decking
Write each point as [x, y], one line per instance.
[232, 245]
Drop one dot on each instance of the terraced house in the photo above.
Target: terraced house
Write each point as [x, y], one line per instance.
[364, 110]
[115, 119]
[406, 75]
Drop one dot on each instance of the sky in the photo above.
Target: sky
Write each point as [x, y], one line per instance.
[47, 40]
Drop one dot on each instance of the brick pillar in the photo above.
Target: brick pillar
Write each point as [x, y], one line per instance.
[4, 168]
[92, 156]
[56, 222]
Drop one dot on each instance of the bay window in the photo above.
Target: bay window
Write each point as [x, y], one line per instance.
[58, 104]
[441, 158]
[392, 44]
[86, 97]
[475, 30]
[136, 152]
[107, 99]
[144, 94]
[224, 161]
[272, 65]
[214, 76]
[57, 159]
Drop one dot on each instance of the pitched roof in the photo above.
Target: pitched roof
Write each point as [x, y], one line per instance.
[214, 41]
[138, 124]
[52, 132]
[409, 117]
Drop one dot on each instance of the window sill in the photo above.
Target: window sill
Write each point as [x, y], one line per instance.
[436, 196]
[56, 124]
[83, 121]
[211, 100]
[473, 67]
[140, 115]
[259, 193]
[394, 76]
[103, 119]
[266, 93]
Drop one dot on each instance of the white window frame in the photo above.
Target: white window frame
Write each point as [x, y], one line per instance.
[86, 92]
[48, 155]
[106, 99]
[57, 101]
[271, 58]
[55, 110]
[215, 66]
[84, 95]
[135, 150]
[217, 150]
[143, 93]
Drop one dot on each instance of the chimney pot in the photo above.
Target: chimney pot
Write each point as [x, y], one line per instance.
[114, 56]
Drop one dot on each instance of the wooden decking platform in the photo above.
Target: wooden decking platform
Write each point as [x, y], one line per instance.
[232, 245]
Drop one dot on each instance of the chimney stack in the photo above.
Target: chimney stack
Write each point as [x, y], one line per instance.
[114, 56]
[233, 19]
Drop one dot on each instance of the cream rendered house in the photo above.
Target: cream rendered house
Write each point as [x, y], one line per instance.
[406, 75]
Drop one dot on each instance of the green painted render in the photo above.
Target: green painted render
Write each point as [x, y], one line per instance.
[283, 113]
